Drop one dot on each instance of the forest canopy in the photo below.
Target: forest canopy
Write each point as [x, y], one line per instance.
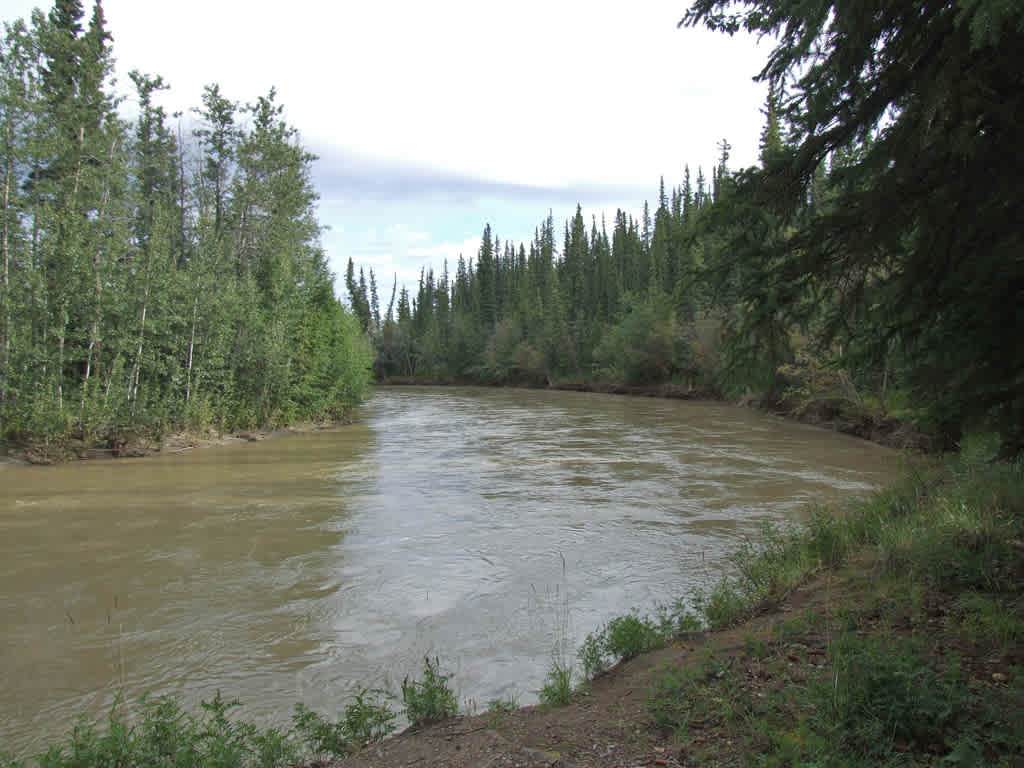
[157, 273]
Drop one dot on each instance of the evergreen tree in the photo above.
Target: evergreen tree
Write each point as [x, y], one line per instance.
[920, 244]
[133, 295]
[486, 281]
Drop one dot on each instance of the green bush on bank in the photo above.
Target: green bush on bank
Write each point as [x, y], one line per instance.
[946, 540]
[160, 732]
[431, 699]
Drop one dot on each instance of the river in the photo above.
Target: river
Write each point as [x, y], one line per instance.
[483, 526]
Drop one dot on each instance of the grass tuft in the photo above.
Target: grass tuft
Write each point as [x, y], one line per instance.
[429, 700]
[557, 688]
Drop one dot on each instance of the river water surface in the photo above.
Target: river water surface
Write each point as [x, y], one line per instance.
[483, 526]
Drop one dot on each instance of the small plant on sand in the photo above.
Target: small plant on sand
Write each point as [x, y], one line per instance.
[324, 738]
[503, 706]
[629, 636]
[593, 654]
[626, 637]
[498, 708]
[430, 699]
[366, 719]
[369, 717]
[557, 689]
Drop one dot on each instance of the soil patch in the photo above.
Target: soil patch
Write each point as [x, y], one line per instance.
[609, 723]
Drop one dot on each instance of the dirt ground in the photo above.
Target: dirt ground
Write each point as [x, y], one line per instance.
[138, 446]
[609, 725]
[606, 726]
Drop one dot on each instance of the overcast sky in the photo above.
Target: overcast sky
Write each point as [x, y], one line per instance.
[431, 119]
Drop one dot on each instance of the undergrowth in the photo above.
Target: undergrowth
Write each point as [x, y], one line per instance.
[557, 688]
[431, 699]
[939, 573]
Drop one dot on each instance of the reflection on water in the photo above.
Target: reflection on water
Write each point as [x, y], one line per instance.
[460, 522]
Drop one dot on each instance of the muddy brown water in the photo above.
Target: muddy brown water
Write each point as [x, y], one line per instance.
[487, 527]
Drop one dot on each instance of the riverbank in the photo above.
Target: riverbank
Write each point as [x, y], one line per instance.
[828, 410]
[843, 414]
[127, 446]
[888, 632]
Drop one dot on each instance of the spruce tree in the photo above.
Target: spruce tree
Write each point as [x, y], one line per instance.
[919, 248]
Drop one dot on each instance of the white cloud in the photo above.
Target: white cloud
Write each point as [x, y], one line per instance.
[529, 97]
[436, 253]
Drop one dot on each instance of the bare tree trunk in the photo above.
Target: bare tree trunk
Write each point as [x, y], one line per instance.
[134, 379]
[885, 382]
[5, 298]
[191, 348]
[181, 198]
[37, 300]
[94, 329]
[78, 167]
[110, 379]
[60, 353]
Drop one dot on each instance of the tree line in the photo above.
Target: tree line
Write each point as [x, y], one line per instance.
[155, 278]
[542, 312]
[870, 262]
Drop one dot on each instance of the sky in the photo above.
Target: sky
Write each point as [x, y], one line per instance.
[432, 119]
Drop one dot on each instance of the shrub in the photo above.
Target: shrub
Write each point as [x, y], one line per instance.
[557, 690]
[369, 717]
[879, 697]
[430, 699]
[321, 736]
[629, 636]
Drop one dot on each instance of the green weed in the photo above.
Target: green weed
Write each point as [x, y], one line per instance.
[989, 621]
[431, 699]
[626, 637]
[755, 647]
[557, 688]
[703, 696]
[503, 706]
[593, 654]
[884, 698]
[725, 605]
[369, 717]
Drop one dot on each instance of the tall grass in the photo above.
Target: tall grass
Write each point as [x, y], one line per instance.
[954, 526]
[948, 539]
[430, 699]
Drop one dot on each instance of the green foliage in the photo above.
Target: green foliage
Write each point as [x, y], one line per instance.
[754, 647]
[880, 699]
[886, 698]
[622, 638]
[903, 250]
[874, 703]
[557, 688]
[430, 699]
[323, 737]
[724, 605]
[368, 718]
[150, 295]
[163, 734]
[593, 654]
[503, 706]
[629, 636]
[682, 698]
[640, 348]
[990, 621]
[626, 637]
